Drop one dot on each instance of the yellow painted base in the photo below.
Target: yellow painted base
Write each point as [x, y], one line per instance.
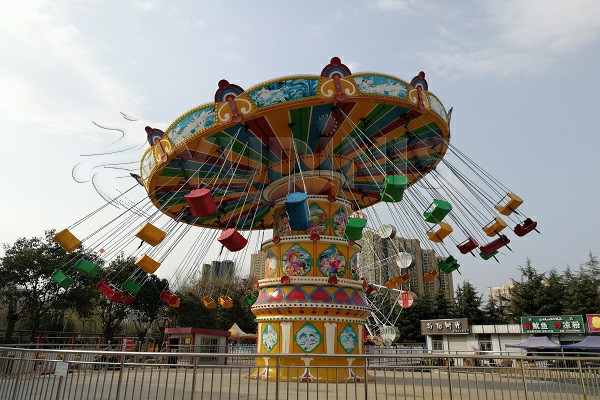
[309, 369]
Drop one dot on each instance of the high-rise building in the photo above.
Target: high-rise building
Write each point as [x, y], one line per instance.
[500, 295]
[377, 263]
[219, 270]
[257, 265]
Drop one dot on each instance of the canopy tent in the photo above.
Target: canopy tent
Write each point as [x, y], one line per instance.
[589, 343]
[238, 333]
[537, 343]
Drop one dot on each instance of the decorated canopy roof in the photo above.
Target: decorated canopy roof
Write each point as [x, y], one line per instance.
[295, 133]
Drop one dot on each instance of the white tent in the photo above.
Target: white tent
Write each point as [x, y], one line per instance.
[238, 333]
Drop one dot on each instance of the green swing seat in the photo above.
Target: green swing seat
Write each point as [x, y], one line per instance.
[87, 268]
[394, 188]
[354, 228]
[488, 256]
[448, 265]
[62, 279]
[131, 286]
[438, 212]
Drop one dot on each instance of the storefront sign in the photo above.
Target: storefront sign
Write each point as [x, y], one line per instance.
[593, 321]
[445, 326]
[553, 324]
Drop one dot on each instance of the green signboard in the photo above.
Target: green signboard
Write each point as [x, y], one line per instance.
[553, 324]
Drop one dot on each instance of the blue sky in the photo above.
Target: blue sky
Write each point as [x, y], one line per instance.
[522, 77]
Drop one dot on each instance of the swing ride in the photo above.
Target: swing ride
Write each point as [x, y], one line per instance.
[320, 160]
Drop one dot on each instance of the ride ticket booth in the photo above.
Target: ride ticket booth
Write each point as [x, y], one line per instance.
[198, 340]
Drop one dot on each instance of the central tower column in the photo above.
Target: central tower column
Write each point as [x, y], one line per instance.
[311, 300]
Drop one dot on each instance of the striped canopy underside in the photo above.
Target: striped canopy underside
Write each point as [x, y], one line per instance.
[238, 172]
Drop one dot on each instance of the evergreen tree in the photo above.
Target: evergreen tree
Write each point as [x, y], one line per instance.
[443, 308]
[468, 303]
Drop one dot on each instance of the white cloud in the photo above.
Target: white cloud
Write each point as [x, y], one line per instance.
[50, 76]
[514, 36]
[396, 5]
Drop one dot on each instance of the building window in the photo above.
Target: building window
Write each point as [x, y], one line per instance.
[485, 343]
[437, 342]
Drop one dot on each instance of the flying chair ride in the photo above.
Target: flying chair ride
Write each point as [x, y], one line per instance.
[308, 157]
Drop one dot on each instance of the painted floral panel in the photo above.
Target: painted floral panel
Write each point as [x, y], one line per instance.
[270, 337]
[308, 337]
[296, 261]
[332, 262]
[340, 219]
[318, 219]
[348, 339]
[270, 264]
[282, 224]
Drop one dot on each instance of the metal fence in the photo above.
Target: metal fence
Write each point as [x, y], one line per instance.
[75, 374]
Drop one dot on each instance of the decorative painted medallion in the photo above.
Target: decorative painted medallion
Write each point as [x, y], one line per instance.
[348, 339]
[283, 91]
[375, 84]
[192, 123]
[270, 337]
[340, 219]
[296, 261]
[332, 262]
[436, 105]
[282, 224]
[308, 337]
[318, 219]
[270, 264]
[354, 266]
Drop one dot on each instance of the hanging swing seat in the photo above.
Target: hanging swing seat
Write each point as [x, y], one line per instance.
[87, 268]
[468, 245]
[131, 287]
[168, 297]
[494, 227]
[118, 296]
[448, 265]
[208, 302]
[508, 204]
[127, 300]
[201, 202]
[250, 299]
[176, 303]
[67, 240]
[525, 227]
[232, 239]
[488, 256]
[296, 206]
[62, 279]
[406, 277]
[354, 228]
[495, 245]
[437, 211]
[104, 288]
[440, 233]
[394, 188]
[431, 275]
[147, 264]
[150, 234]
[225, 301]
[392, 283]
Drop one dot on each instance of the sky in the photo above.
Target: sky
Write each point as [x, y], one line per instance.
[522, 78]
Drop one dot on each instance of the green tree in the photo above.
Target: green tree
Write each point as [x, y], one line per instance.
[443, 308]
[26, 286]
[582, 295]
[110, 313]
[468, 304]
[148, 307]
[409, 322]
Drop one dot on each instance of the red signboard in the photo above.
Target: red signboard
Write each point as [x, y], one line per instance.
[593, 321]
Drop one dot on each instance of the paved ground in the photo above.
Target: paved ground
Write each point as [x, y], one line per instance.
[407, 383]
